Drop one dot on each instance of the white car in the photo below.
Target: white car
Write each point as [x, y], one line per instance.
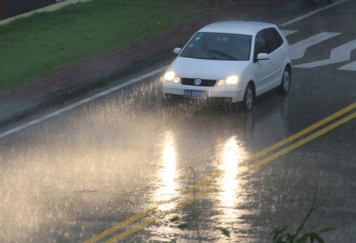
[234, 60]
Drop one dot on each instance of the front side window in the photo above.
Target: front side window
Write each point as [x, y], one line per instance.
[261, 45]
[218, 46]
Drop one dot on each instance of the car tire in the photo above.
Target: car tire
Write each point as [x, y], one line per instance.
[249, 99]
[284, 87]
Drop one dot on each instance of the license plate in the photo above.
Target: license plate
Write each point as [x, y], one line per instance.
[195, 94]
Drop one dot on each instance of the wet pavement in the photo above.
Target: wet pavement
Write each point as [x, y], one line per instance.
[71, 177]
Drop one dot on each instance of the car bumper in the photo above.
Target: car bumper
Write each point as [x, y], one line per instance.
[233, 94]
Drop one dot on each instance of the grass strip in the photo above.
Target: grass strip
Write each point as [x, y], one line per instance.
[45, 42]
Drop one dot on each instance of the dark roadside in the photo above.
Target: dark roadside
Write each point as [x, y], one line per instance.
[103, 69]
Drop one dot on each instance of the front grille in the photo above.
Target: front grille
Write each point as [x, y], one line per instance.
[204, 82]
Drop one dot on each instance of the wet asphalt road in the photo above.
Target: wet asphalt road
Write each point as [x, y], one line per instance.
[69, 178]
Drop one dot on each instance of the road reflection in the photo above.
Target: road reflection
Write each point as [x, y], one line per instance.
[230, 158]
[230, 193]
[168, 173]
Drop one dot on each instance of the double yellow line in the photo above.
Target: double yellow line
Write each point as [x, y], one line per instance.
[209, 180]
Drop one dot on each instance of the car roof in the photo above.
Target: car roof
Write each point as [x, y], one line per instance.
[237, 27]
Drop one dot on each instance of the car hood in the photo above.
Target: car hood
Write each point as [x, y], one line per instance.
[206, 69]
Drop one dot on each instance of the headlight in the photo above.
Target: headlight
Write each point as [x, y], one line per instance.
[169, 76]
[232, 80]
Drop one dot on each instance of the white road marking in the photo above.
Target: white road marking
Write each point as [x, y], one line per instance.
[311, 13]
[288, 32]
[339, 54]
[349, 67]
[298, 49]
[86, 100]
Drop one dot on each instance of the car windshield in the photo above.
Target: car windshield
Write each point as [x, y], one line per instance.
[218, 46]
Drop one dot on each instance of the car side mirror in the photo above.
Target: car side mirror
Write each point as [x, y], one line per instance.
[262, 56]
[177, 50]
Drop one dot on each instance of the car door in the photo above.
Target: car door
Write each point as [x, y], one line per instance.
[276, 56]
[263, 68]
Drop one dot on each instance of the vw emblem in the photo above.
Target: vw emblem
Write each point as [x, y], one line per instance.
[197, 82]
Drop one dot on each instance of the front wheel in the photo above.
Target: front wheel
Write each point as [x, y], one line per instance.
[249, 97]
[284, 87]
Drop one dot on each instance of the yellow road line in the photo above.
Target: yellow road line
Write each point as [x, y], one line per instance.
[251, 168]
[218, 174]
[299, 134]
[150, 210]
[300, 143]
[121, 225]
[161, 215]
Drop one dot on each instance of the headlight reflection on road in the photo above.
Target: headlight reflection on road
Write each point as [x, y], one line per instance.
[167, 173]
[230, 159]
[230, 155]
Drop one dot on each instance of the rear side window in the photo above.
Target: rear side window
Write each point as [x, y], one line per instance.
[280, 39]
